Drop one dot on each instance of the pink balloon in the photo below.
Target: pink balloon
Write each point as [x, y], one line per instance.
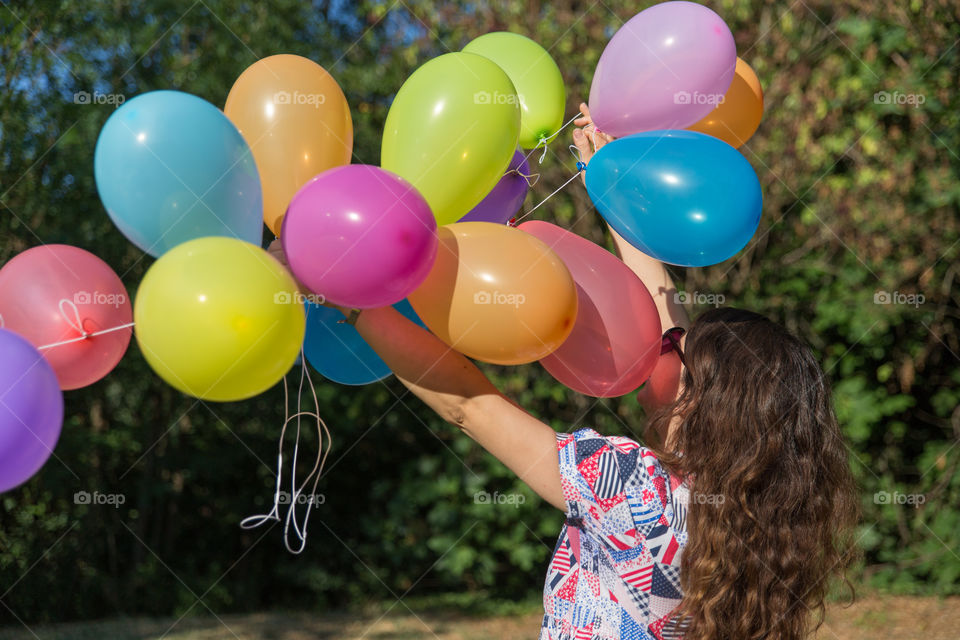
[616, 339]
[360, 236]
[666, 68]
[55, 292]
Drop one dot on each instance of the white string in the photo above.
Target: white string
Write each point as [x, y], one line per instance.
[299, 529]
[580, 168]
[76, 323]
[87, 335]
[544, 140]
[535, 176]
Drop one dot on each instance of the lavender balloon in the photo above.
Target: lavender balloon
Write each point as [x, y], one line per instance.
[666, 68]
[503, 202]
[31, 410]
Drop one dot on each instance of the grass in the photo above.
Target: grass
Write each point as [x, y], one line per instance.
[870, 618]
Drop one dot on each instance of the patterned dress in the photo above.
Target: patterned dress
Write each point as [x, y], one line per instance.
[615, 572]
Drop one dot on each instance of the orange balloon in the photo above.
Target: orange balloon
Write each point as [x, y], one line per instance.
[296, 120]
[497, 294]
[736, 118]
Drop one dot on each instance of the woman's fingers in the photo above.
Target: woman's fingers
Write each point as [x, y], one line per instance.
[583, 144]
[600, 139]
[585, 118]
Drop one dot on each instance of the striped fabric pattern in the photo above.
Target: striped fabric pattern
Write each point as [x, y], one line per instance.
[615, 572]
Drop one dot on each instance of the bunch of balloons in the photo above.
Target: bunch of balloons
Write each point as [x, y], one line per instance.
[669, 85]
[429, 231]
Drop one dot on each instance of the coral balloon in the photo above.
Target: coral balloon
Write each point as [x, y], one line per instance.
[616, 339]
[296, 120]
[683, 197]
[31, 410]
[534, 75]
[170, 167]
[497, 294]
[507, 197]
[360, 236]
[665, 68]
[54, 293]
[451, 131]
[736, 118]
[219, 319]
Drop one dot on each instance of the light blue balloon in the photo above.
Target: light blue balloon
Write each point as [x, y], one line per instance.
[171, 167]
[338, 352]
[682, 197]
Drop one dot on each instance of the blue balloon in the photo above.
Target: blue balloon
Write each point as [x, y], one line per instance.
[338, 352]
[171, 167]
[682, 197]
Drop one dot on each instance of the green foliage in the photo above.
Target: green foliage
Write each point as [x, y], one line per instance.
[861, 197]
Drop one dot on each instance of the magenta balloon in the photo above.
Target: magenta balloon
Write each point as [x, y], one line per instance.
[31, 410]
[360, 236]
[506, 198]
[616, 339]
[666, 68]
[55, 292]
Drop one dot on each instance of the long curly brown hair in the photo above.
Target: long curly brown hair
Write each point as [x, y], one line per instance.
[773, 503]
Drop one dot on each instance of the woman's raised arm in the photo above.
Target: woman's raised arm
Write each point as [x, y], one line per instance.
[462, 395]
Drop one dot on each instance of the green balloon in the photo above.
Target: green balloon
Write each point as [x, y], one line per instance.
[451, 132]
[536, 77]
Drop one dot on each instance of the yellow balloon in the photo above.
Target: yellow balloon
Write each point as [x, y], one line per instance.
[497, 294]
[219, 318]
[296, 120]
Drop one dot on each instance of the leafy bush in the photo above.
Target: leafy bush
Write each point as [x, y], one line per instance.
[861, 199]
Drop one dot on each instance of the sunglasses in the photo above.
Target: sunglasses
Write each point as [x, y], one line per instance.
[671, 341]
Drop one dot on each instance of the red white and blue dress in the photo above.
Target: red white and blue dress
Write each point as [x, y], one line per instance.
[615, 572]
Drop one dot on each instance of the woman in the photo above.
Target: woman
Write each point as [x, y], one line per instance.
[726, 525]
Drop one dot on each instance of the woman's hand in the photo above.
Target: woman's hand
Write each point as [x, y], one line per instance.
[588, 139]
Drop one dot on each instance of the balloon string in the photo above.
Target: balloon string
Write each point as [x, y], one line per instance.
[75, 321]
[535, 176]
[87, 335]
[544, 140]
[581, 166]
[297, 491]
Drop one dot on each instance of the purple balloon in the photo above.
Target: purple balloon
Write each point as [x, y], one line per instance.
[360, 236]
[506, 198]
[666, 68]
[31, 410]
